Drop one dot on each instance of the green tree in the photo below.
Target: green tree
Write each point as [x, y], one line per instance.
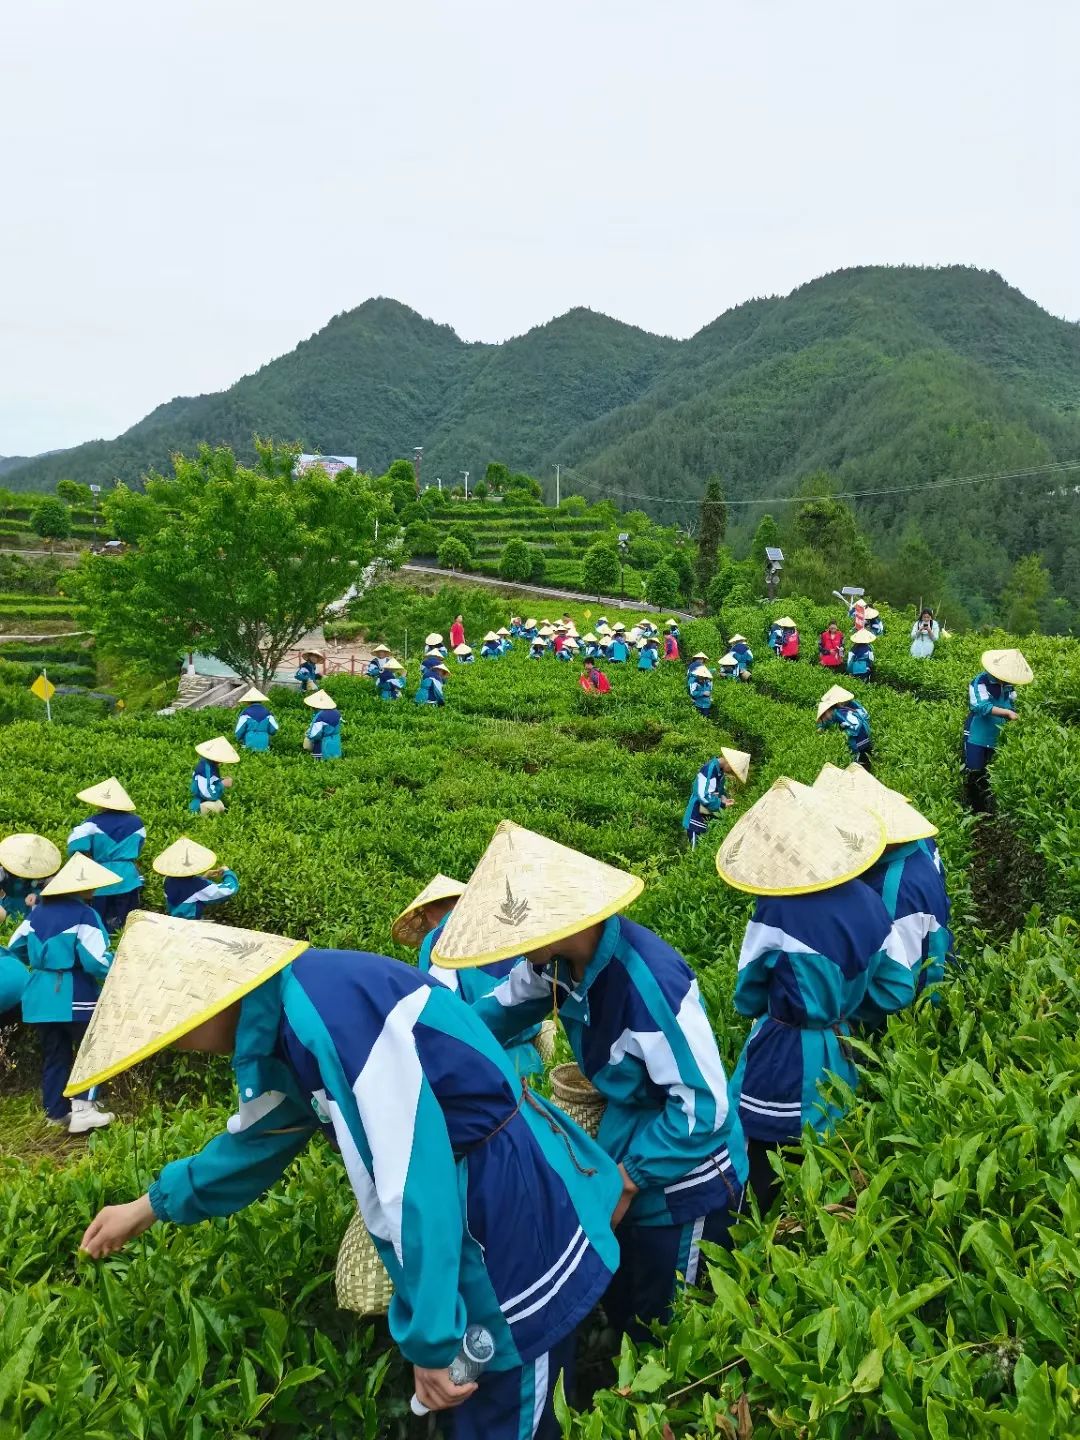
[645, 554]
[465, 535]
[916, 576]
[766, 536]
[662, 585]
[711, 531]
[828, 528]
[497, 476]
[600, 568]
[454, 555]
[480, 491]
[422, 538]
[537, 563]
[721, 583]
[807, 572]
[74, 494]
[515, 563]
[236, 560]
[681, 561]
[1024, 596]
[401, 480]
[51, 519]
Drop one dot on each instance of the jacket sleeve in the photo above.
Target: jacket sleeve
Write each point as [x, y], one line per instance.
[979, 698]
[92, 947]
[208, 787]
[522, 999]
[237, 1166]
[217, 890]
[682, 1059]
[19, 944]
[81, 839]
[241, 725]
[757, 959]
[890, 983]
[272, 724]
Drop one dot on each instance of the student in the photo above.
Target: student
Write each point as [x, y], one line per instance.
[818, 948]
[740, 648]
[671, 626]
[255, 724]
[671, 643]
[506, 643]
[709, 795]
[464, 654]
[323, 738]
[191, 881]
[114, 837]
[431, 659]
[874, 622]
[453, 1162]
[776, 632]
[208, 785]
[839, 707]
[727, 666]
[517, 627]
[701, 689]
[860, 660]
[648, 657]
[925, 634]
[630, 1007]
[788, 646]
[991, 703]
[603, 640]
[619, 650]
[698, 658]
[558, 639]
[380, 654]
[908, 877]
[537, 648]
[491, 649]
[309, 676]
[421, 924]
[831, 647]
[25, 862]
[593, 680]
[435, 642]
[391, 682]
[591, 646]
[457, 633]
[431, 688]
[530, 630]
[64, 942]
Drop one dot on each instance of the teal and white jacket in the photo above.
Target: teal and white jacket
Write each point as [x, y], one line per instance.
[114, 839]
[66, 946]
[486, 1204]
[639, 1032]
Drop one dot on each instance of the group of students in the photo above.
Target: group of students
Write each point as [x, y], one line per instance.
[59, 951]
[487, 1205]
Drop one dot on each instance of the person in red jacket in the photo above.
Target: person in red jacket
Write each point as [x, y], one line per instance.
[457, 633]
[593, 680]
[831, 647]
[788, 648]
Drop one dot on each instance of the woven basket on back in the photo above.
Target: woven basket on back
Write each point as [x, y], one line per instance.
[545, 1041]
[577, 1097]
[360, 1279]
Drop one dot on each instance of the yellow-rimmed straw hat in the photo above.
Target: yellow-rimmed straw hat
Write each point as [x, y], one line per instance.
[320, 700]
[729, 659]
[251, 697]
[863, 637]
[530, 623]
[78, 876]
[787, 622]
[736, 638]
[380, 649]
[30, 857]
[492, 635]
[218, 750]
[546, 631]
[501, 633]
[791, 842]
[699, 655]
[463, 649]
[702, 672]
[870, 613]
[393, 664]
[526, 892]
[109, 795]
[590, 639]
[434, 639]
[739, 761]
[183, 858]
[903, 823]
[835, 695]
[1007, 665]
[313, 655]
[408, 928]
[169, 976]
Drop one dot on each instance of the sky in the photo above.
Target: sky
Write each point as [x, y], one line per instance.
[191, 187]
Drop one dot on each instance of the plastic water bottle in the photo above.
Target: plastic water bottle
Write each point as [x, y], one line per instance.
[477, 1351]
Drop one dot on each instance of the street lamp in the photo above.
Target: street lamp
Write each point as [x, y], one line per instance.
[418, 455]
[624, 546]
[466, 474]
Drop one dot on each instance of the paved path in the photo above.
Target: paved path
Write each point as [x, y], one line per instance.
[609, 602]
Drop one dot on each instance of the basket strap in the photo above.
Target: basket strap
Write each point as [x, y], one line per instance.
[556, 1129]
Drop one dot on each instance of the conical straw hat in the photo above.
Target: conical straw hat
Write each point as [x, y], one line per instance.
[79, 875]
[787, 622]
[728, 659]
[835, 695]
[434, 638]
[218, 750]
[320, 700]
[702, 673]
[530, 623]
[170, 975]
[393, 664]
[463, 649]
[251, 697]
[590, 638]
[408, 928]
[109, 795]
[870, 613]
[570, 643]
[30, 857]
[526, 892]
[699, 655]
[618, 627]
[739, 761]
[184, 857]
[380, 649]
[671, 622]
[1007, 665]
[736, 638]
[502, 632]
[491, 635]
[863, 637]
[902, 821]
[791, 843]
[313, 655]
[546, 631]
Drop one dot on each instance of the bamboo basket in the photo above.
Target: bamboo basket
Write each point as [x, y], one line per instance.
[577, 1097]
[545, 1041]
[360, 1279]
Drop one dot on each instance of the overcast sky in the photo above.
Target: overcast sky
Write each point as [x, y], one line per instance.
[190, 187]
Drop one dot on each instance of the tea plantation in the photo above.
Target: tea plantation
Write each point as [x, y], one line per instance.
[922, 1279]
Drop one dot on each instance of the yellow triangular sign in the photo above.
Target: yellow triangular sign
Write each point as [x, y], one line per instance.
[43, 688]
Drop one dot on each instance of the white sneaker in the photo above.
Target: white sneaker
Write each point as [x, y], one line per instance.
[85, 1116]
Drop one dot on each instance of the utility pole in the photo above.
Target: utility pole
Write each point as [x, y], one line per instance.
[557, 469]
[466, 474]
[438, 481]
[418, 455]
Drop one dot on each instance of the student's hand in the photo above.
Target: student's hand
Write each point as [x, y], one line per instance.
[1011, 715]
[227, 782]
[437, 1391]
[628, 1193]
[112, 1227]
[31, 901]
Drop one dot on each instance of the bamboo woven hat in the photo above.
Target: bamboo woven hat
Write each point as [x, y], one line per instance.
[183, 858]
[791, 842]
[380, 649]
[671, 622]
[863, 637]
[1007, 665]
[618, 627]
[590, 638]
[902, 821]
[739, 761]
[870, 613]
[440, 669]
[433, 639]
[250, 697]
[530, 624]
[529, 891]
[30, 857]
[393, 664]
[787, 622]
[109, 795]
[728, 659]
[835, 695]
[408, 928]
[699, 655]
[493, 635]
[570, 643]
[702, 672]
[219, 750]
[463, 649]
[319, 701]
[313, 655]
[736, 638]
[546, 631]
[502, 632]
[170, 975]
[79, 875]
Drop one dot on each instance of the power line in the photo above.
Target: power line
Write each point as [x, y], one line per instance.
[1036, 472]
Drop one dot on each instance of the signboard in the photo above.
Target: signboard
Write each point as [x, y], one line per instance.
[332, 464]
[43, 688]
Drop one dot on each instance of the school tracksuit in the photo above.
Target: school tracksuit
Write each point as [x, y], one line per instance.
[255, 726]
[982, 730]
[114, 839]
[324, 732]
[187, 896]
[911, 884]
[854, 722]
[706, 800]
[206, 784]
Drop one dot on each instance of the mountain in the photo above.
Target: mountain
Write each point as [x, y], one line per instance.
[889, 377]
[12, 462]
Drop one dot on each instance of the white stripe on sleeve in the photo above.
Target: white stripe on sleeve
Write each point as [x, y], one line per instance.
[761, 939]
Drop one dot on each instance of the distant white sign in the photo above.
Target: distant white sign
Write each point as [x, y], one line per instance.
[332, 464]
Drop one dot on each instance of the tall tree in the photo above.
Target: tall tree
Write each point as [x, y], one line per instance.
[827, 527]
[600, 568]
[711, 531]
[239, 561]
[1025, 595]
[51, 519]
